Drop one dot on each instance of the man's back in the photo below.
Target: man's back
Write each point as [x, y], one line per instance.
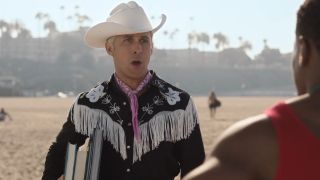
[298, 147]
[285, 143]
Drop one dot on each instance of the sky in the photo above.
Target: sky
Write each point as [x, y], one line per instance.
[253, 20]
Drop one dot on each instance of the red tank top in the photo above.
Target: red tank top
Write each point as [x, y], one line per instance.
[299, 148]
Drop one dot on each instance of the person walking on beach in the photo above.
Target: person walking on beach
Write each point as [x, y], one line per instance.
[213, 103]
[4, 115]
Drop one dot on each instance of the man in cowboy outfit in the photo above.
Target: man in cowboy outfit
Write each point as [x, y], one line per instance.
[150, 128]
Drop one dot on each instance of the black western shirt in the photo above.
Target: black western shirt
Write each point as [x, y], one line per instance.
[170, 143]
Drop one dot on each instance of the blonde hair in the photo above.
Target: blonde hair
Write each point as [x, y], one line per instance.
[110, 40]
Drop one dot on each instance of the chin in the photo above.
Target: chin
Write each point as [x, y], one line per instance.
[139, 73]
[301, 91]
[138, 76]
[300, 85]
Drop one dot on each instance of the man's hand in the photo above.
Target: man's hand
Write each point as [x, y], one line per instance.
[61, 177]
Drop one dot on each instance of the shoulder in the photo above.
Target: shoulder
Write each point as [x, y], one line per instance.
[93, 95]
[175, 97]
[244, 151]
[246, 130]
[173, 94]
[250, 143]
[91, 99]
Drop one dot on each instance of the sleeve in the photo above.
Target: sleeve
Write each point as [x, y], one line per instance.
[55, 160]
[190, 151]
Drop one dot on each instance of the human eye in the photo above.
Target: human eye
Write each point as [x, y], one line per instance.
[127, 39]
[144, 40]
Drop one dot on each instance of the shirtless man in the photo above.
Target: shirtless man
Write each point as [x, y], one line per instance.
[284, 142]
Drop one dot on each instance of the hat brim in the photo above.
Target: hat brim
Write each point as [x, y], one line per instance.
[97, 35]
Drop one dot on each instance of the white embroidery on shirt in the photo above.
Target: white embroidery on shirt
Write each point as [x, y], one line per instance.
[107, 99]
[95, 93]
[147, 109]
[172, 96]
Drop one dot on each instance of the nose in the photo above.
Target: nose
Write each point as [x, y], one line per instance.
[137, 48]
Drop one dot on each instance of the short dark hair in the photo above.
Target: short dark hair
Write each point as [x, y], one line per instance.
[308, 21]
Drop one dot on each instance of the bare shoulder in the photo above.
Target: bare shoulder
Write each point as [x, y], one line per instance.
[246, 150]
[246, 135]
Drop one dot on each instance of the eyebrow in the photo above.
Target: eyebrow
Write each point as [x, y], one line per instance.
[131, 36]
[127, 36]
[145, 36]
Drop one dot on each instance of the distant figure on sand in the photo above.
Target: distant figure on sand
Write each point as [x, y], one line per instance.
[213, 103]
[4, 115]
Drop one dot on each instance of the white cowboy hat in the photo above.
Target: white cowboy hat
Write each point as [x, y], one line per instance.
[126, 18]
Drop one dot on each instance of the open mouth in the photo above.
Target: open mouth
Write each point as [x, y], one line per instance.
[136, 63]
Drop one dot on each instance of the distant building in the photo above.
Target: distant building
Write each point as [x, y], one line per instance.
[43, 48]
[8, 86]
[8, 82]
[29, 48]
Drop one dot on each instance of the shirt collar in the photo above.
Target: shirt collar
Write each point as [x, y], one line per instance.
[154, 82]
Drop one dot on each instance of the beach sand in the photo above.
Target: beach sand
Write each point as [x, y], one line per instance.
[25, 141]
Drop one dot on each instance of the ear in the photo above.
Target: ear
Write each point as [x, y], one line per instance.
[304, 51]
[109, 48]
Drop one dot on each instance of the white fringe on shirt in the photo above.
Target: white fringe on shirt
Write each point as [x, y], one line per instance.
[165, 126]
[86, 119]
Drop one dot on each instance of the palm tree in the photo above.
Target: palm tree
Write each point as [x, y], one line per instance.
[173, 33]
[203, 38]
[39, 17]
[62, 8]
[24, 33]
[165, 32]
[221, 41]
[192, 39]
[6, 30]
[240, 38]
[70, 18]
[51, 27]
[170, 35]
[15, 29]
[3, 27]
[244, 44]
[76, 7]
[81, 19]
[190, 22]
[46, 16]
[265, 43]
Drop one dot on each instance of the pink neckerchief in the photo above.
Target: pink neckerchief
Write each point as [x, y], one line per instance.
[132, 94]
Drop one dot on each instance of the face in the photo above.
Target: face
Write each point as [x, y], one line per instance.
[131, 54]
